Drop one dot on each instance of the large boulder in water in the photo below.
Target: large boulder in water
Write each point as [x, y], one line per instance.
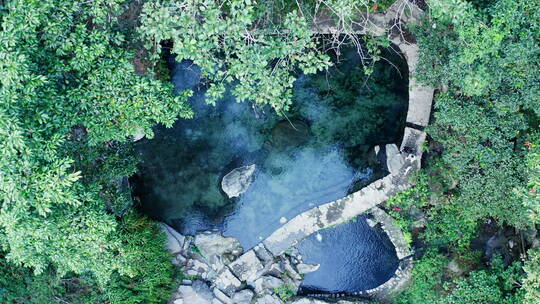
[238, 180]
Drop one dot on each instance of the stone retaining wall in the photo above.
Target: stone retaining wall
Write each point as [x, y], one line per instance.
[403, 251]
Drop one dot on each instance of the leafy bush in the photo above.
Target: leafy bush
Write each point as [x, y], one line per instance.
[426, 275]
[68, 96]
[285, 292]
[531, 283]
[151, 279]
[235, 48]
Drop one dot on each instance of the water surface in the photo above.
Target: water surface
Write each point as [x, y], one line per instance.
[316, 153]
[340, 251]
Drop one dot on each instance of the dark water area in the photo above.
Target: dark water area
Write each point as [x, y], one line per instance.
[317, 153]
[340, 251]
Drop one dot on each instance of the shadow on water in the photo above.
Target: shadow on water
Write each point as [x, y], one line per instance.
[340, 251]
[320, 153]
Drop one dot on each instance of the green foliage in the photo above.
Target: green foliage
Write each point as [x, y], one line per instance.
[494, 284]
[407, 202]
[232, 47]
[531, 192]
[150, 279]
[150, 282]
[285, 292]
[485, 52]
[68, 95]
[531, 283]
[426, 277]
[488, 61]
[256, 47]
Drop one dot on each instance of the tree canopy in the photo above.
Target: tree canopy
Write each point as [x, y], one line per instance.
[78, 79]
[68, 98]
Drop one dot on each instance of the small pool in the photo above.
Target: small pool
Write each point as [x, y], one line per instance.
[318, 152]
[340, 251]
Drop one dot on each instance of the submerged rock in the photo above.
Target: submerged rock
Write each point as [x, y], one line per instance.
[290, 134]
[238, 180]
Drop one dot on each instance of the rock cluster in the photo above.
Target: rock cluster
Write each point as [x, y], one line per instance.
[218, 272]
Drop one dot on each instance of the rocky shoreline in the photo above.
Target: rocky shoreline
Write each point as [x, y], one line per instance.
[217, 271]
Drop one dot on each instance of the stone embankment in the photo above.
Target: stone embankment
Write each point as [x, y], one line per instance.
[216, 271]
[270, 268]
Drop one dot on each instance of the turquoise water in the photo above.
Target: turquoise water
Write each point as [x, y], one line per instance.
[317, 153]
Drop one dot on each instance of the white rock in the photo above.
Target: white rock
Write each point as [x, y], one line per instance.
[175, 240]
[394, 159]
[220, 295]
[216, 263]
[200, 267]
[309, 301]
[238, 180]
[178, 301]
[454, 267]
[198, 293]
[187, 244]
[289, 269]
[266, 284]
[274, 270]
[243, 297]
[192, 273]
[247, 266]
[227, 282]
[214, 244]
[318, 236]
[307, 268]
[263, 254]
[138, 135]
[371, 223]
[268, 299]
[536, 243]
[180, 260]
[282, 220]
